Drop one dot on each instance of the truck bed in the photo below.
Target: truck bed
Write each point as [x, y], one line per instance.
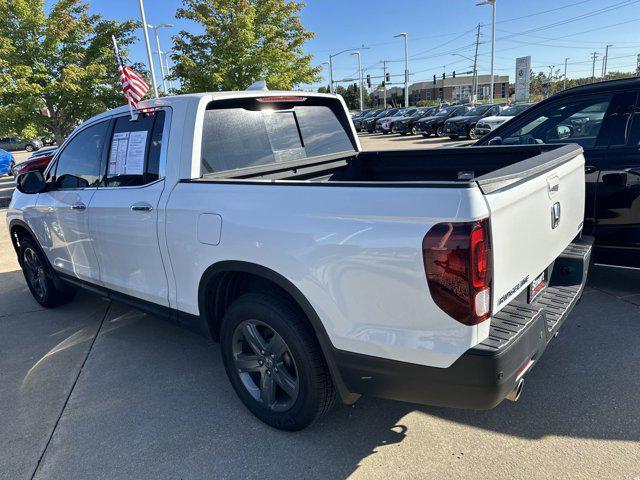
[490, 167]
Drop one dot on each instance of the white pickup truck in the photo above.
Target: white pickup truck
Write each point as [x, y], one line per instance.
[431, 276]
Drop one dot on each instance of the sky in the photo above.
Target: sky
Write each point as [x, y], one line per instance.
[439, 32]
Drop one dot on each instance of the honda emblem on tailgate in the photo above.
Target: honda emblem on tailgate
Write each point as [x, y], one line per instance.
[555, 215]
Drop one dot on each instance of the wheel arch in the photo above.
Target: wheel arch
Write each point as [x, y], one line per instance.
[17, 228]
[224, 281]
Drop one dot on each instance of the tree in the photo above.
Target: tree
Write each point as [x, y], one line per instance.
[56, 70]
[243, 41]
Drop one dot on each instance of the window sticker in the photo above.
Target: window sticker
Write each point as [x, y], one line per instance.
[127, 153]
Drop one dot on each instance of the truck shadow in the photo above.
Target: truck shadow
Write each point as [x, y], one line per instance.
[153, 400]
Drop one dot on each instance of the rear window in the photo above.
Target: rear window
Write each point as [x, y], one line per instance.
[234, 138]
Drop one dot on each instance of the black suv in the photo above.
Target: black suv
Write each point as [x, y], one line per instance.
[465, 124]
[434, 125]
[405, 126]
[604, 118]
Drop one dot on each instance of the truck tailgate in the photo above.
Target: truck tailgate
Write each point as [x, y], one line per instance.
[536, 210]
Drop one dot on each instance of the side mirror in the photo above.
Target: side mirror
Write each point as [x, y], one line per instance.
[495, 141]
[31, 182]
[563, 131]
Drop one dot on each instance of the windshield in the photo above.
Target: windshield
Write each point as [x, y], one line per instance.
[234, 138]
[513, 110]
[478, 111]
[444, 111]
[371, 114]
[387, 113]
[423, 113]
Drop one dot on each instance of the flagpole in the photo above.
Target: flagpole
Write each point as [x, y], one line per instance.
[120, 67]
[146, 41]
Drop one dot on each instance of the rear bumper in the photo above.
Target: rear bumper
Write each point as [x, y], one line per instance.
[485, 374]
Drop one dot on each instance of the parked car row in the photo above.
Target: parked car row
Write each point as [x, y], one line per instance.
[454, 121]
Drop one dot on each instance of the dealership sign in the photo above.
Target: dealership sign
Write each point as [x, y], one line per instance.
[523, 78]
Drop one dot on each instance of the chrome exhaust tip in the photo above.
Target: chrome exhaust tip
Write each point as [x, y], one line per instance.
[514, 394]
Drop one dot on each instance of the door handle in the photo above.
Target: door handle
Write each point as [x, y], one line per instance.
[141, 207]
[78, 206]
[589, 169]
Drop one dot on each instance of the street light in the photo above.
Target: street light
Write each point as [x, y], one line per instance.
[331, 63]
[357, 53]
[493, 38]
[406, 68]
[146, 41]
[155, 30]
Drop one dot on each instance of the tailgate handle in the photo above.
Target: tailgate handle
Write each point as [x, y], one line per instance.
[553, 184]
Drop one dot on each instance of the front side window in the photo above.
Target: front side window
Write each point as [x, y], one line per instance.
[134, 150]
[78, 165]
[234, 138]
[568, 121]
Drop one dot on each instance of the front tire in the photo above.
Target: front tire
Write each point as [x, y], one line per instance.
[29, 148]
[471, 134]
[274, 362]
[440, 131]
[48, 290]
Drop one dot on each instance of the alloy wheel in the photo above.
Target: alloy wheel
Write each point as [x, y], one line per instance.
[265, 365]
[35, 272]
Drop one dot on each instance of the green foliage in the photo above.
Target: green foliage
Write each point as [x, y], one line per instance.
[544, 85]
[56, 70]
[242, 41]
[351, 96]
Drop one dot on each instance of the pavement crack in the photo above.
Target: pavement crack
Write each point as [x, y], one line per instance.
[73, 386]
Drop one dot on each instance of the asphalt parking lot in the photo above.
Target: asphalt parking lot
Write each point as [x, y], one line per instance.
[98, 390]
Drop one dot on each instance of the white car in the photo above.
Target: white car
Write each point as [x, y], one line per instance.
[431, 276]
[386, 124]
[487, 124]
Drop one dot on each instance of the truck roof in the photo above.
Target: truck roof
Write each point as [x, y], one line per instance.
[196, 98]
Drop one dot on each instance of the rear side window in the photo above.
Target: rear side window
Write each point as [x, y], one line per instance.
[234, 138]
[78, 165]
[134, 150]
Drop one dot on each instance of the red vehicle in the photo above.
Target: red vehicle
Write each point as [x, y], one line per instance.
[37, 161]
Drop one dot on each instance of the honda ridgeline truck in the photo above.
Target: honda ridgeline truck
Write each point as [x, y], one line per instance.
[430, 276]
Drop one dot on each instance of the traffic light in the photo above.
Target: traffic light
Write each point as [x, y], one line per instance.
[369, 81]
[434, 79]
[453, 75]
[443, 75]
[387, 77]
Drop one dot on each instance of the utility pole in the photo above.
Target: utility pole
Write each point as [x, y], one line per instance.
[493, 38]
[406, 68]
[594, 57]
[330, 74]
[638, 65]
[384, 83]
[605, 61]
[565, 74]
[357, 53]
[146, 41]
[474, 82]
[551, 67]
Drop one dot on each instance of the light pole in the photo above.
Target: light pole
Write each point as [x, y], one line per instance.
[155, 30]
[166, 64]
[328, 64]
[357, 53]
[406, 67]
[146, 41]
[606, 60]
[565, 73]
[331, 63]
[493, 39]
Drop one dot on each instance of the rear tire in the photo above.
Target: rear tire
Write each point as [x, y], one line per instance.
[274, 362]
[471, 134]
[440, 131]
[45, 286]
[29, 148]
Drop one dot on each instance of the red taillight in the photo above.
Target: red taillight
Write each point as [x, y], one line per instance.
[283, 98]
[457, 262]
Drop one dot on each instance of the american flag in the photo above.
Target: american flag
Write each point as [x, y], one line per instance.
[133, 85]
